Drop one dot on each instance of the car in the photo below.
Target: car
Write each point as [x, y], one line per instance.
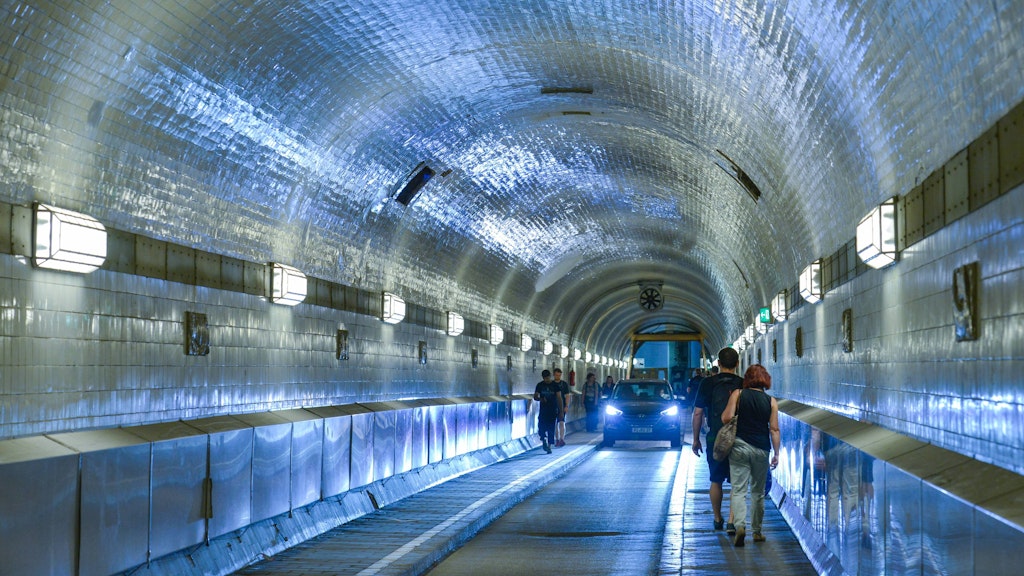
[642, 410]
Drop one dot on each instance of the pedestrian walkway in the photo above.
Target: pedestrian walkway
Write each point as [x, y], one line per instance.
[410, 535]
[693, 546]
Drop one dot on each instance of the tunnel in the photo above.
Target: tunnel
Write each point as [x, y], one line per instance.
[337, 242]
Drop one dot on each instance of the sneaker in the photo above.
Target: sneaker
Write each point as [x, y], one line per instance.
[719, 524]
[547, 447]
[758, 537]
[730, 529]
[741, 535]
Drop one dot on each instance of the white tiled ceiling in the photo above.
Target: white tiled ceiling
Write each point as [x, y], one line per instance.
[273, 130]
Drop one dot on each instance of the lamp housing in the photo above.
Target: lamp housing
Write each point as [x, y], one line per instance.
[66, 240]
[287, 284]
[456, 324]
[548, 347]
[392, 308]
[810, 282]
[876, 236]
[780, 306]
[497, 335]
[525, 343]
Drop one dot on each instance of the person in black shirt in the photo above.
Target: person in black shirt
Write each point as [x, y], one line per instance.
[712, 398]
[549, 395]
[757, 431]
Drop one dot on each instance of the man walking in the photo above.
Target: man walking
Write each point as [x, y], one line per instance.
[550, 397]
[711, 400]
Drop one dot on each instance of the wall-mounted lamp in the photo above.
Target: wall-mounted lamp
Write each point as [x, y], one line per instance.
[759, 325]
[563, 351]
[810, 282]
[590, 358]
[497, 335]
[780, 306]
[525, 343]
[69, 241]
[876, 236]
[456, 324]
[393, 309]
[287, 284]
[577, 354]
[548, 347]
[750, 333]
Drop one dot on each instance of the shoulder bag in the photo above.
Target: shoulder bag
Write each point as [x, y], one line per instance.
[727, 435]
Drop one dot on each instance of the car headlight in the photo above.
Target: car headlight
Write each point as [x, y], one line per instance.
[670, 411]
[612, 411]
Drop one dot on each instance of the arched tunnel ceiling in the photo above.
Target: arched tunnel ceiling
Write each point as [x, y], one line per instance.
[578, 144]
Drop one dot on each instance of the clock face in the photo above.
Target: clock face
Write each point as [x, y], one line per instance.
[651, 299]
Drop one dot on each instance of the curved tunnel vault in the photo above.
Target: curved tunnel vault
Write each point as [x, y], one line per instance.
[579, 149]
[559, 129]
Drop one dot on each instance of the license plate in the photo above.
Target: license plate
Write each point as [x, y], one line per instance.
[643, 429]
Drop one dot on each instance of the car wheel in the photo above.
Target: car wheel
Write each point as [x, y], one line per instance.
[609, 442]
[677, 443]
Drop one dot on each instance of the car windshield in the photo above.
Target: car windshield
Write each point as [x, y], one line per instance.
[642, 391]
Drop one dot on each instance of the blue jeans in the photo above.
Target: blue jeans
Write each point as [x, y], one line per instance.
[748, 469]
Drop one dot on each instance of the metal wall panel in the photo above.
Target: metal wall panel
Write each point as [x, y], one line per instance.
[404, 440]
[913, 211]
[934, 202]
[463, 428]
[337, 451]
[384, 444]
[903, 521]
[231, 473]
[983, 159]
[1011, 149]
[957, 184]
[150, 257]
[1000, 547]
[420, 453]
[179, 468]
[362, 449]
[947, 533]
[307, 462]
[38, 507]
[114, 528]
[271, 465]
[436, 433]
[449, 426]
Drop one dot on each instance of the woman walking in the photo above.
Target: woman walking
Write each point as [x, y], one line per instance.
[757, 431]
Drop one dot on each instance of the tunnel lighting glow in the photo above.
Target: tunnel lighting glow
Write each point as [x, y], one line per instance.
[497, 335]
[589, 358]
[548, 347]
[287, 284]
[810, 282]
[876, 236]
[750, 333]
[393, 309]
[69, 241]
[563, 351]
[525, 343]
[760, 326]
[780, 308]
[456, 324]
[577, 354]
